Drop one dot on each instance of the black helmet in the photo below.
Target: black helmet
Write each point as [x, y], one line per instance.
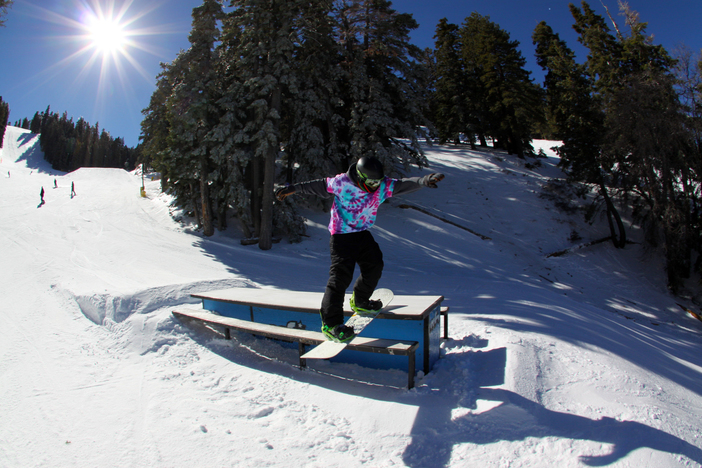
[369, 168]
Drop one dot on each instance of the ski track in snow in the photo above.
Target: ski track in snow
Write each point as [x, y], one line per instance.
[579, 360]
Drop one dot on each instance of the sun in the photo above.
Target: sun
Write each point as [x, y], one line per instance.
[107, 29]
[102, 46]
[107, 35]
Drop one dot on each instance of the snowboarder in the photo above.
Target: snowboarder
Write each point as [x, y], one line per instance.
[357, 195]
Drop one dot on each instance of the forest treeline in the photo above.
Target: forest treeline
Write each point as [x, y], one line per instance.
[629, 118]
[69, 145]
[274, 92]
[278, 92]
[281, 91]
[4, 115]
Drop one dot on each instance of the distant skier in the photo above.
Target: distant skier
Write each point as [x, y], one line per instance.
[55, 184]
[41, 194]
[357, 195]
[73, 190]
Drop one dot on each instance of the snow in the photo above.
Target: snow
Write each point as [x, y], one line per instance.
[578, 360]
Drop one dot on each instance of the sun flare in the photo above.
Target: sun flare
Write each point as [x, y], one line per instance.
[102, 45]
[107, 35]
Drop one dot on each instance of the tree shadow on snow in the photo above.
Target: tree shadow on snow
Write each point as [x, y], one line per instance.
[34, 156]
[482, 415]
[662, 349]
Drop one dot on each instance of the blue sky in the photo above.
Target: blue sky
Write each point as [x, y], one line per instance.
[48, 53]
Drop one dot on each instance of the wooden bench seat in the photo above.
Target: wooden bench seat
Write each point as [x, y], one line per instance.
[304, 337]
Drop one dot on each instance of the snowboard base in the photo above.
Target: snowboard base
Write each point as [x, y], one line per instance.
[329, 349]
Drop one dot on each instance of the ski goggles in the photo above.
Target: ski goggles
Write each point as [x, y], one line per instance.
[368, 182]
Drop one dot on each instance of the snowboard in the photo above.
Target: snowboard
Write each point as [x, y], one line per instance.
[329, 349]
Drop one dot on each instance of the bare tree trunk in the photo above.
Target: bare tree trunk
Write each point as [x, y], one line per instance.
[244, 225]
[256, 196]
[618, 232]
[207, 224]
[222, 216]
[266, 237]
[196, 204]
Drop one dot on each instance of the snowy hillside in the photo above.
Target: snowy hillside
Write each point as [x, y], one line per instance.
[577, 360]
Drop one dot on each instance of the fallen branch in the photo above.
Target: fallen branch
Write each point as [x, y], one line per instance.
[255, 240]
[560, 253]
[429, 213]
[690, 312]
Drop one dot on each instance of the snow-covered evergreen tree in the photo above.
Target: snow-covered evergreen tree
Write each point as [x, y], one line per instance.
[449, 109]
[384, 82]
[312, 121]
[502, 96]
[182, 113]
[177, 159]
[262, 63]
[4, 116]
[155, 127]
[195, 97]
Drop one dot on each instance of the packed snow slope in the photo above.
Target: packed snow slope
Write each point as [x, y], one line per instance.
[578, 360]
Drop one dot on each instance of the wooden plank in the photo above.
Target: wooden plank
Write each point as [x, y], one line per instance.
[272, 331]
[267, 298]
[359, 343]
[403, 307]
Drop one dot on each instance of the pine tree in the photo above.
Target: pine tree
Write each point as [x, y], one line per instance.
[191, 110]
[688, 73]
[4, 116]
[4, 5]
[625, 130]
[652, 147]
[577, 116]
[179, 156]
[502, 100]
[580, 94]
[449, 106]
[155, 126]
[35, 125]
[313, 123]
[565, 83]
[384, 82]
[230, 153]
[605, 55]
[264, 67]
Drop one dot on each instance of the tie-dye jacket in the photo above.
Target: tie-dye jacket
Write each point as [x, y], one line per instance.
[354, 209]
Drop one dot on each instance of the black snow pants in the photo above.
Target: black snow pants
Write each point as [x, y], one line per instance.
[347, 250]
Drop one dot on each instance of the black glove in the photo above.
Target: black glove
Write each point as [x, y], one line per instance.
[431, 179]
[284, 192]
